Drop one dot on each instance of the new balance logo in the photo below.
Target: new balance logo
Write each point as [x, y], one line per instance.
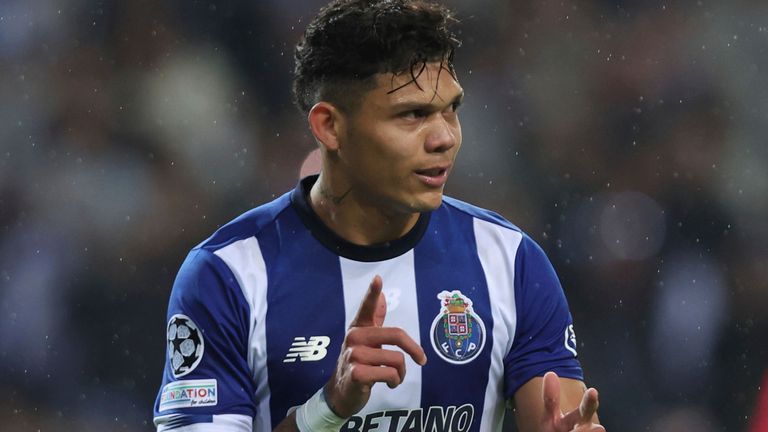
[313, 349]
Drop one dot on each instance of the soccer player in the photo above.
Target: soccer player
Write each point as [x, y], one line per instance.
[365, 300]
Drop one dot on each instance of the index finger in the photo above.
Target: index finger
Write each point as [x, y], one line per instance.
[367, 311]
[376, 337]
[588, 406]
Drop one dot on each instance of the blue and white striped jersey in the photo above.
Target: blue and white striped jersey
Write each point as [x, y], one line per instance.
[258, 314]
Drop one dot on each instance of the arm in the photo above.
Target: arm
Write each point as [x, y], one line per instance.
[545, 341]
[210, 386]
[361, 364]
[540, 403]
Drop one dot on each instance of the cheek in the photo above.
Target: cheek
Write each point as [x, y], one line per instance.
[382, 151]
[392, 148]
[457, 129]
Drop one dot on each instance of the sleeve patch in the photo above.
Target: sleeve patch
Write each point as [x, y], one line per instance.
[185, 345]
[570, 340]
[189, 393]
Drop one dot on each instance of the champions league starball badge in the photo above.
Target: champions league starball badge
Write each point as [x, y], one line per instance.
[458, 334]
[185, 345]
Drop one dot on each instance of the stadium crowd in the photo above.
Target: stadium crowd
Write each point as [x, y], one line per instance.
[628, 138]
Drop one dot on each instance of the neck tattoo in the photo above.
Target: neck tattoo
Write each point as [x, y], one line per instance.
[336, 200]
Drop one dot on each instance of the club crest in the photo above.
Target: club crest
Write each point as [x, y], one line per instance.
[458, 334]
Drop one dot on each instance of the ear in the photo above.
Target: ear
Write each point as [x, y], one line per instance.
[326, 122]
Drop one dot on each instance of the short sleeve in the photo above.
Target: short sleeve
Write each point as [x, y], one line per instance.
[206, 378]
[544, 337]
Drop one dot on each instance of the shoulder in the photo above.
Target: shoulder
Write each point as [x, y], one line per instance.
[247, 225]
[230, 262]
[217, 260]
[478, 213]
[486, 223]
[491, 228]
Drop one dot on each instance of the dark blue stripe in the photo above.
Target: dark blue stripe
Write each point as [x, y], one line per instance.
[542, 317]
[446, 259]
[305, 298]
[186, 420]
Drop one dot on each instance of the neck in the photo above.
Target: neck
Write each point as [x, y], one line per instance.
[354, 219]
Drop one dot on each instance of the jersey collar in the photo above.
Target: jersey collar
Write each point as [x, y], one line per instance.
[329, 239]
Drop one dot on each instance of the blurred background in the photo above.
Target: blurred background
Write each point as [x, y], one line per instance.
[628, 138]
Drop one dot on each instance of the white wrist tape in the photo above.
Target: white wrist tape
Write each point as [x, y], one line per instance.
[316, 416]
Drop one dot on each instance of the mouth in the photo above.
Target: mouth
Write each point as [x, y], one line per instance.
[434, 176]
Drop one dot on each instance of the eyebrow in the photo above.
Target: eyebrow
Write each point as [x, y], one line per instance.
[414, 105]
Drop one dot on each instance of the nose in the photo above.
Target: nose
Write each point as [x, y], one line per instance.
[444, 134]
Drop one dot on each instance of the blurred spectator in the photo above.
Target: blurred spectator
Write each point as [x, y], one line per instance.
[759, 421]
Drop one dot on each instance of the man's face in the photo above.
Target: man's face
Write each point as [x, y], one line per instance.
[398, 148]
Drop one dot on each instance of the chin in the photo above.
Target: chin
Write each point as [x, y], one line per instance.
[427, 203]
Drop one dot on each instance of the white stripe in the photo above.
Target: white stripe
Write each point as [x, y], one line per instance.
[399, 279]
[247, 264]
[221, 423]
[497, 248]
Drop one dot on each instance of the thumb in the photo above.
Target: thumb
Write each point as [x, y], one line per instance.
[550, 392]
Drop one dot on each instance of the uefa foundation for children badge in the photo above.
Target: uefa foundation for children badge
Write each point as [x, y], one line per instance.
[458, 334]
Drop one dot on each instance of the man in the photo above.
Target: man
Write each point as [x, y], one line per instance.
[363, 300]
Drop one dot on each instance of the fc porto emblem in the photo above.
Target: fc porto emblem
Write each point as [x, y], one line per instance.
[458, 334]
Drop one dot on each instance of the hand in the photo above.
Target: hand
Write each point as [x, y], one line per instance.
[363, 362]
[578, 420]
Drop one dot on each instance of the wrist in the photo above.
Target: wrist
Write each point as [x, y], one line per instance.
[316, 415]
[325, 396]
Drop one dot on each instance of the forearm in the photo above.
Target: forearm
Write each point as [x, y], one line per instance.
[288, 424]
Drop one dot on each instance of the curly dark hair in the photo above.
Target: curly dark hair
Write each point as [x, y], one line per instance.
[350, 41]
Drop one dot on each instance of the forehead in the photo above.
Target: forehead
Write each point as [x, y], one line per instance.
[435, 84]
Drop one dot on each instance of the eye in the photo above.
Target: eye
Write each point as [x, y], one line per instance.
[415, 114]
[454, 106]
